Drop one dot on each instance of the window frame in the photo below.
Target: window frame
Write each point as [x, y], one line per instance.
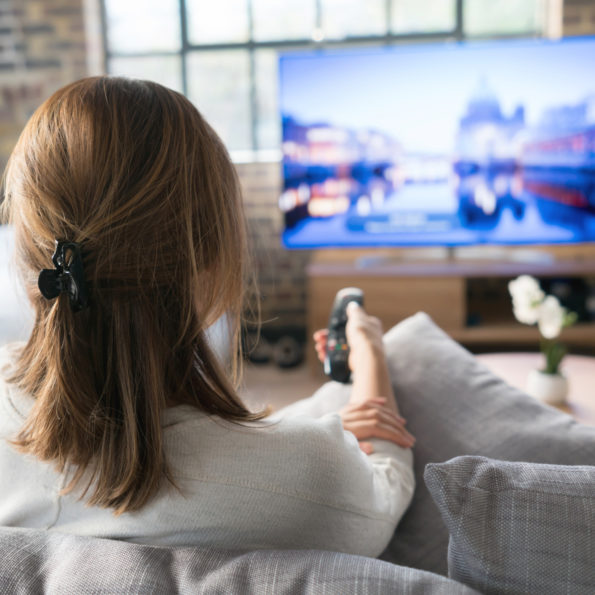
[252, 46]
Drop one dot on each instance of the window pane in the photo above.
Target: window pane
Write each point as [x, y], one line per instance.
[350, 18]
[222, 21]
[503, 16]
[413, 16]
[267, 90]
[290, 19]
[219, 86]
[166, 70]
[143, 25]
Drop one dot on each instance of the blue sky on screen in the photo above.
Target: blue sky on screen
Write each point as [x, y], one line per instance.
[418, 93]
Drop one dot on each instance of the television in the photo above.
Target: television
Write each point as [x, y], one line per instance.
[451, 144]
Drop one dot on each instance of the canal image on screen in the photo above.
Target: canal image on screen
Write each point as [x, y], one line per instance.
[451, 144]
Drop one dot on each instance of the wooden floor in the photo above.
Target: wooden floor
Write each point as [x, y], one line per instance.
[267, 384]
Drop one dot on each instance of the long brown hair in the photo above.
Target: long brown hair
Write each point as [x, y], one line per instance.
[131, 171]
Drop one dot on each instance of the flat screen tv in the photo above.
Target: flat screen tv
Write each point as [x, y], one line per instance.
[447, 144]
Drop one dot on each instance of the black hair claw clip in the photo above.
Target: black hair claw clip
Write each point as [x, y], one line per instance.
[67, 277]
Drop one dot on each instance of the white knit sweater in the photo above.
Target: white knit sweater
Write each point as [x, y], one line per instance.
[290, 481]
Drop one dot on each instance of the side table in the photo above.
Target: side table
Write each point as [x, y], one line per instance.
[579, 369]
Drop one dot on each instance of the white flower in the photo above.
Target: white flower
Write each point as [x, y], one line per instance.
[526, 298]
[551, 317]
[526, 289]
[525, 312]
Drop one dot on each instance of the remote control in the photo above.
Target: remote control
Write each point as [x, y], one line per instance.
[337, 349]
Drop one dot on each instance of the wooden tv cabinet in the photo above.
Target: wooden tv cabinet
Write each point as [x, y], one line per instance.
[397, 286]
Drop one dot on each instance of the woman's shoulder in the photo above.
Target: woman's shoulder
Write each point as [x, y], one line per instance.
[276, 433]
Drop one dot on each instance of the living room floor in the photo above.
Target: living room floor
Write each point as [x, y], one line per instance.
[267, 384]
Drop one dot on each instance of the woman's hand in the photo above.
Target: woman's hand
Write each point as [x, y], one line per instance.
[320, 341]
[372, 411]
[364, 335]
[373, 419]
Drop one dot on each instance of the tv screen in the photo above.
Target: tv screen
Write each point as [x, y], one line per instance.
[445, 144]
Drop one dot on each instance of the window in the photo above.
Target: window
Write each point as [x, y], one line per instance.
[223, 54]
[504, 17]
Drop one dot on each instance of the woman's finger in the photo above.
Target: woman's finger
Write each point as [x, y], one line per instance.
[320, 340]
[359, 424]
[320, 346]
[378, 415]
[365, 426]
[366, 429]
[320, 351]
[366, 447]
[374, 404]
[374, 428]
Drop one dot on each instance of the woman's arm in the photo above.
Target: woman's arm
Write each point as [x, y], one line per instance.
[372, 410]
[366, 358]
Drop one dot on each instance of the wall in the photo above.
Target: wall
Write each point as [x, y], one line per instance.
[579, 17]
[42, 47]
[281, 273]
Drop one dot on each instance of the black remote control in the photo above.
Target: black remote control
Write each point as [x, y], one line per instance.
[337, 349]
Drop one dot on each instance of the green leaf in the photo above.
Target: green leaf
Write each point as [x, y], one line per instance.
[554, 354]
[569, 319]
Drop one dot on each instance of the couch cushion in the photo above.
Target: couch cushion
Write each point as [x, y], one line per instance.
[34, 561]
[517, 527]
[455, 406]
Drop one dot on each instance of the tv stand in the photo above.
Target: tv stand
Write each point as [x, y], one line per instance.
[398, 284]
[387, 257]
[524, 255]
[452, 254]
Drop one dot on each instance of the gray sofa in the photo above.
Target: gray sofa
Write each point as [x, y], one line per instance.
[507, 506]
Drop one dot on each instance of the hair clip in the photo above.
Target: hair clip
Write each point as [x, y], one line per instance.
[67, 277]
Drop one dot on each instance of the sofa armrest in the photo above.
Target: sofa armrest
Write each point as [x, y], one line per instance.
[455, 406]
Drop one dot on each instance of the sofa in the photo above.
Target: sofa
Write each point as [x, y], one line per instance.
[504, 503]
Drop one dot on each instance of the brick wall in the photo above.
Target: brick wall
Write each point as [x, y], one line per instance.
[281, 272]
[42, 47]
[579, 17]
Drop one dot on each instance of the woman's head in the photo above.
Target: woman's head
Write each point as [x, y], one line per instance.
[131, 172]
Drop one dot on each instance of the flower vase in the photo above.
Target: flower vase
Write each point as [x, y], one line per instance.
[549, 388]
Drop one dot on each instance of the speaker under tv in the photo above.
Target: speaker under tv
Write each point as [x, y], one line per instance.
[451, 144]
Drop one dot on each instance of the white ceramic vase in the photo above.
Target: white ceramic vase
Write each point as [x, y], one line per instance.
[549, 388]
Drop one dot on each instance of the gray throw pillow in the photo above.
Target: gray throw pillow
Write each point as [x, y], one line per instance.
[455, 406]
[517, 527]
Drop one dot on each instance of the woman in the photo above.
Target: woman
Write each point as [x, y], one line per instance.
[116, 418]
